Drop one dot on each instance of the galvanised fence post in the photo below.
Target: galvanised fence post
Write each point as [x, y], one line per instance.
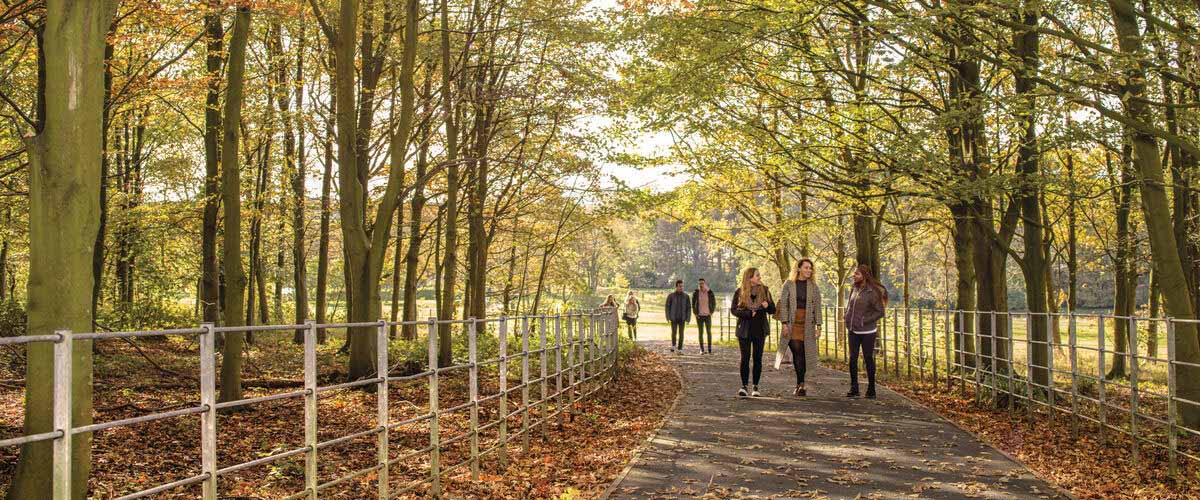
[503, 369]
[381, 394]
[473, 392]
[1172, 432]
[310, 409]
[1100, 360]
[208, 419]
[1072, 342]
[1133, 389]
[61, 473]
[525, 383]
[435, 452]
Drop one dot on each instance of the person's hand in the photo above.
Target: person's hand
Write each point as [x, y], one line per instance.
[765, 304]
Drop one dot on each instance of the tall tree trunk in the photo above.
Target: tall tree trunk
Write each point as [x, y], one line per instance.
[1026, 42]
[1164, 245]
[101, 233]
[64, 167]
[905, 252]
[1152, 341]
[1072, 238]
[1122, 263]
[397, 260]
[235, 279]
[1052, 293]
[3, 266]
[964, 263]
[450, 260]
[296, 160]
[326, 213]
[417, 208]
[209, 280]
[365, 246]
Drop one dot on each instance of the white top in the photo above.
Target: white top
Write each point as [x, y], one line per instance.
[631, 309]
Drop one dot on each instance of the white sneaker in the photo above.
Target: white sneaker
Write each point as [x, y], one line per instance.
[742, 392]
[755, 393]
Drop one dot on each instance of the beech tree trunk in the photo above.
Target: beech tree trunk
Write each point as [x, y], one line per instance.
[64, 168]
[450, 259]
[231, 197]
[1156, 210]
[209, 280]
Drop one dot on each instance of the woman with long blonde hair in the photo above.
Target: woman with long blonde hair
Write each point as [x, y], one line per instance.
[632, 308]
[753, 306]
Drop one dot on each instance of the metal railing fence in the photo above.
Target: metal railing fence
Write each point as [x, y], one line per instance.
[1057, 365]
[581, 346]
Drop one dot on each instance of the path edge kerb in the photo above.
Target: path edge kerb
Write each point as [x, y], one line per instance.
[1005, 454]
[646, 442]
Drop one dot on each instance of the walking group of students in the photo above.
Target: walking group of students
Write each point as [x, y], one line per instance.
[798, 310]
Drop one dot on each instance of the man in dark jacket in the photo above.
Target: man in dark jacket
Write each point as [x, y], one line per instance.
[679, 313]
[703, 304]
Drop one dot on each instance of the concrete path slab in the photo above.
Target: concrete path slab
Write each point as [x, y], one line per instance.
[718, 445]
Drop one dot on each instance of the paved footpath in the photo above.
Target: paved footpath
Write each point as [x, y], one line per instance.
[822, 446]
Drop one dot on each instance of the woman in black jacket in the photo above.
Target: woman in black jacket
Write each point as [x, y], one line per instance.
[753, 307]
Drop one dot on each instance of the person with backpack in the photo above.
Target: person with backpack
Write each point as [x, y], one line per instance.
[678, 310]
[753, 307]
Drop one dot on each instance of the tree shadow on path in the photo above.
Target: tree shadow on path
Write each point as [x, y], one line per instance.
[717, 445]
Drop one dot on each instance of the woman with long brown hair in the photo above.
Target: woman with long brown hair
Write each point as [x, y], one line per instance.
[868, 299]
[753, 306]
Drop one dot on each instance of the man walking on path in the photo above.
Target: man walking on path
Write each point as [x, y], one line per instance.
[703, 304]
[679, 313]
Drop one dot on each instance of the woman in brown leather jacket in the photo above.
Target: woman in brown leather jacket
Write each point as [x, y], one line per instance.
[868, 299]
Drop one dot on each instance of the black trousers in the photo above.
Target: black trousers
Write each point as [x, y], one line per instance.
[867, 342]
[798, 361]
[677, 329]
[749, 347]
[704, 323]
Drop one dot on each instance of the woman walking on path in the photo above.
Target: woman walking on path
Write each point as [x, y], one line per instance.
[866, 306]
[632, 307]
[612, 310]
[752, 305]
[800, 313]
[704, 302]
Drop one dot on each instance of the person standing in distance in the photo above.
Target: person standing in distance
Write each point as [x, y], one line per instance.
[703, 304]
[679, 312]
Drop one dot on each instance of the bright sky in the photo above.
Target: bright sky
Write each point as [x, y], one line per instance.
[646, 144]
